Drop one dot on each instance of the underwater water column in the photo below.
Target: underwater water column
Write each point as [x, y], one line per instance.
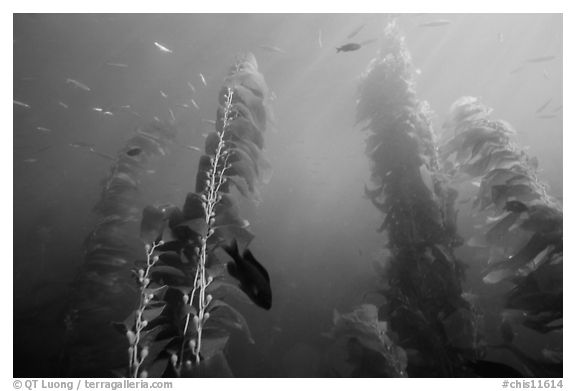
[102, 292]
[422, 287]
[197, 254]
[523, 227]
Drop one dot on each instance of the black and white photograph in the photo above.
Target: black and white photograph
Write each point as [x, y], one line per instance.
[287, 195]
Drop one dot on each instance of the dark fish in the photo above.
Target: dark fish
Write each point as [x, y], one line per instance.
[435, 23]
[356, 31]
[349, 47]
[492, 369]
[544, 105]
[540, 59]
[557, 109]
[135, 151]
[253, 277]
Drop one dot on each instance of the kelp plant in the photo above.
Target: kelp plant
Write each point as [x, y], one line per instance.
[422, 280]
[103, 289]
[182, 322]
[524, 232]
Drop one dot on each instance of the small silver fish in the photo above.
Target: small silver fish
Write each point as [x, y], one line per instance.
[43, 129]
[436, 23]
[63, 104]
[501, 37]
[544, 105]
[162, 48]
[80, 144]
[194, 104]
[274, 49]
[203, 79]
[21, 104]
[546, 74]
[116, 65]
[192, 87]
[30, 160]
[163, 94]
[209, 121]
[108, 113]
[193, 148]
[540, 59]
[172, 115]
[78, 84]
[133, 112]
[355, 32]
[516, 70]
[183, 105]
[320, 44]
[98, 109]
[547, 116]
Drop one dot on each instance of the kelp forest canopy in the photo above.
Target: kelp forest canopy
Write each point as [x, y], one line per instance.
[467, 257]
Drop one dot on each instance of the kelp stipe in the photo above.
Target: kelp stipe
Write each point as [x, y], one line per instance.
[103, 291]
[182, 323]
[524, 234]
[421, 276]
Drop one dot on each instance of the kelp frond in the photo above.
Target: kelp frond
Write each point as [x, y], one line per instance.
[423, 278]
[526, 229]
[196, 319]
